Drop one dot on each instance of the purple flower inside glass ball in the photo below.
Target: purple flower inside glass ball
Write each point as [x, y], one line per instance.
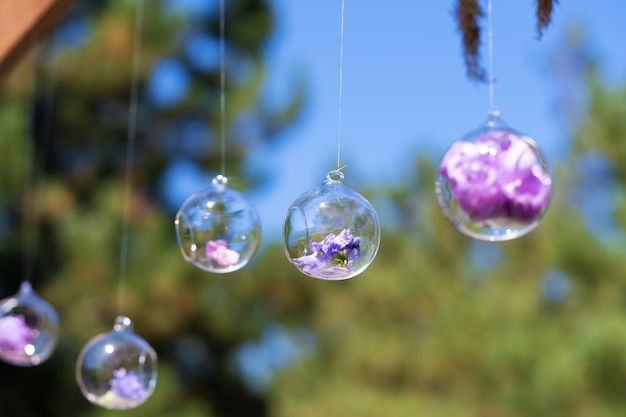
[127, 385]
[331, 257]
[494, 184]
[15, 335]
[28, 328]
[218, 229]
[117, 370]
[331, 232]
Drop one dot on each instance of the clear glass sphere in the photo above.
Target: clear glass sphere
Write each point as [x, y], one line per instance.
[331, 232]
[218, 230]
[117, 369]
[494, 184]
[29, 327]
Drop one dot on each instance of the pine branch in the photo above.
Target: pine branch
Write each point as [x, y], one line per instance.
[545, 9]
[467, 14]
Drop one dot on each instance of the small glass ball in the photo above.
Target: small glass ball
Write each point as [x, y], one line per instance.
[29, 328]
[218, 230]
[117, 369]
[331, 232]
[494, 184]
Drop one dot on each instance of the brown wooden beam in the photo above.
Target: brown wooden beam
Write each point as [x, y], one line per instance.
[23, 23]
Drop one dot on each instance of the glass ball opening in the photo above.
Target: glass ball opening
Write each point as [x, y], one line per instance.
[217, 229]
[29, 328]
[331, 232]
[494, 184]
[118, 369]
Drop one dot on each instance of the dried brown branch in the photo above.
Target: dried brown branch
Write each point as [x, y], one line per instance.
[467, 14]
[545, 9]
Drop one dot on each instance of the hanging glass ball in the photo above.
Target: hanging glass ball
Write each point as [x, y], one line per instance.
[218, 230]
[117, 369]
[494, 184]
[331, 232]
[28, 328]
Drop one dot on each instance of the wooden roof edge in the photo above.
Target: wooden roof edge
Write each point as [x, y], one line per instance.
[23, 24]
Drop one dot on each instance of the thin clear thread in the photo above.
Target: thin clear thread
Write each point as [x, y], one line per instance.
[34, 179]
[29, 173]
[340, 87]
[223, 85]
[130, 153]
[492, 106]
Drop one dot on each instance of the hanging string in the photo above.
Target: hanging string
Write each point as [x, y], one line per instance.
[340, 88]
[223, 86]
[33, 180]
[493, 111]
[130, 152]
[29, 173]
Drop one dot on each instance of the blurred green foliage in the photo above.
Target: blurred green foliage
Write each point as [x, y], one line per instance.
[439, 325]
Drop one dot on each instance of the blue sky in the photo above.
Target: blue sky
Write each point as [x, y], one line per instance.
[405, 88]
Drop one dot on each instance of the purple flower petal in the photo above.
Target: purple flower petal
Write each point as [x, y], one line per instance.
[310, 263]
[126, 385]
[497, 176]
[517, 158]
[354, 251]
[332, 257]
[527, 196]
[219, 255]
[344, 239]
[317, 246]
[14, 333]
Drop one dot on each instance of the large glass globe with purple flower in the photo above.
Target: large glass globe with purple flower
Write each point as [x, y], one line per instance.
[218, 230]
[118, 369]
[29, 328]
[494, 184]
[331, 232]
